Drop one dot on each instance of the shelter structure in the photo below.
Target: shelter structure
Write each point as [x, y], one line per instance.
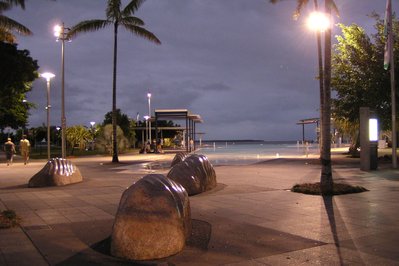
[180, 114]
[307, 121]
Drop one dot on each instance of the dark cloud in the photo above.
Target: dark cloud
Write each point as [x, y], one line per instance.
[245, 66]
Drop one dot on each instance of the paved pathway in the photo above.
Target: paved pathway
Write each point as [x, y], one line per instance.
[249, 219]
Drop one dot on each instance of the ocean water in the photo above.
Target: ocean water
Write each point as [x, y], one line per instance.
[237, 153]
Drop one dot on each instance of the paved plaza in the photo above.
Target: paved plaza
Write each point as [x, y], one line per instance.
[250, 218]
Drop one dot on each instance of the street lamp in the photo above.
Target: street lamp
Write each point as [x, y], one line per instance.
[146, 117]
[58, 135]
[92, 123]
[26, 105]
[62, 34]
[48, 76]
[319, 22]
[149, 115]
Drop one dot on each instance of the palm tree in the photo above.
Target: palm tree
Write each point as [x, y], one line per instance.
[8, 25]
[117, 17]
[326, 181]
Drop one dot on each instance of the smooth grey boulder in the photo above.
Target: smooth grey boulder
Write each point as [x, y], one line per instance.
[153, 220]
[56, 172]
[179, 157]
[195, 174]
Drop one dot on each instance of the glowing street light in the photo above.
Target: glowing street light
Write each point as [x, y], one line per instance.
[62, 34]
[318, 21]
[48, 76]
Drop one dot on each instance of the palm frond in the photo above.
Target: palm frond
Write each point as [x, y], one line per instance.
[135, 21]
[300, 5]
[6, 36]
[132, 7]
[334, 8]
[11, 25]
[4, 7]
[20, 3]
[139, 31]
[113, 10]
[88, 26]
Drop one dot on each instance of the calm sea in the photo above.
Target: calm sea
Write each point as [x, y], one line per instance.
[239, 153]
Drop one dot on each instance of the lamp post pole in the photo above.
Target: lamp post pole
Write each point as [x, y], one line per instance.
[319, 22]
[61, 33]
[48, 76]
[149, 117]
[92, 123]
[146, 117]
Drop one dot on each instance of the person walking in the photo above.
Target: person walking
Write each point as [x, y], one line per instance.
[9, 148]
[24, 146]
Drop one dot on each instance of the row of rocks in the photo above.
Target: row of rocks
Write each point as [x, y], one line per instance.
[154, 218]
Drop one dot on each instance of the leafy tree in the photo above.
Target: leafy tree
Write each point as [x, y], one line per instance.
[359, 78]
[104, 140]
[77, 136]
[8, 25]
[17, 72]
[117, 16]
[122, 120]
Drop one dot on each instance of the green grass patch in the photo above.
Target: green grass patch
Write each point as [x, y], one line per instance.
[8, 218]
[338, 188]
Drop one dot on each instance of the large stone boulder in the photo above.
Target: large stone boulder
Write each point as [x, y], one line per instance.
[56, 172]
[195, 174]
[153, 220]
[179, 157]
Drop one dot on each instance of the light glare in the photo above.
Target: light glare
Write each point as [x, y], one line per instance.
[57, 30]
[318, 21]
[47, 75]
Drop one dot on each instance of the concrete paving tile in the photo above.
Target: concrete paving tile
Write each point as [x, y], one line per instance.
[78, 218]
[55, 220]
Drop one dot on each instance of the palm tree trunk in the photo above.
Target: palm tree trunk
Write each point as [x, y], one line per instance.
[321, 80]
[114, 140]
[326, 181]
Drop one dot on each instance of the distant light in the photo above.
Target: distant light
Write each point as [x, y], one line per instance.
[146, 117]
[92, 123]
[47, 75]
[373, 129]
[149, 95]
[318, 21]
[57, 31]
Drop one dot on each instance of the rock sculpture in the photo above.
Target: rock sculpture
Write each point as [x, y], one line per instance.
[195, 173]
[56, 172]
[153, 220]
[179, 157]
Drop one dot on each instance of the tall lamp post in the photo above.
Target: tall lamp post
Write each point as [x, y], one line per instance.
[48, 76]
[146, 117]
[319, 22]
[92, 123]
[149, 115]
[62, 34]
[25, 103]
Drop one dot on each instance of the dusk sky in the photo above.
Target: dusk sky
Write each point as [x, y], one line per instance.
[244, 65]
